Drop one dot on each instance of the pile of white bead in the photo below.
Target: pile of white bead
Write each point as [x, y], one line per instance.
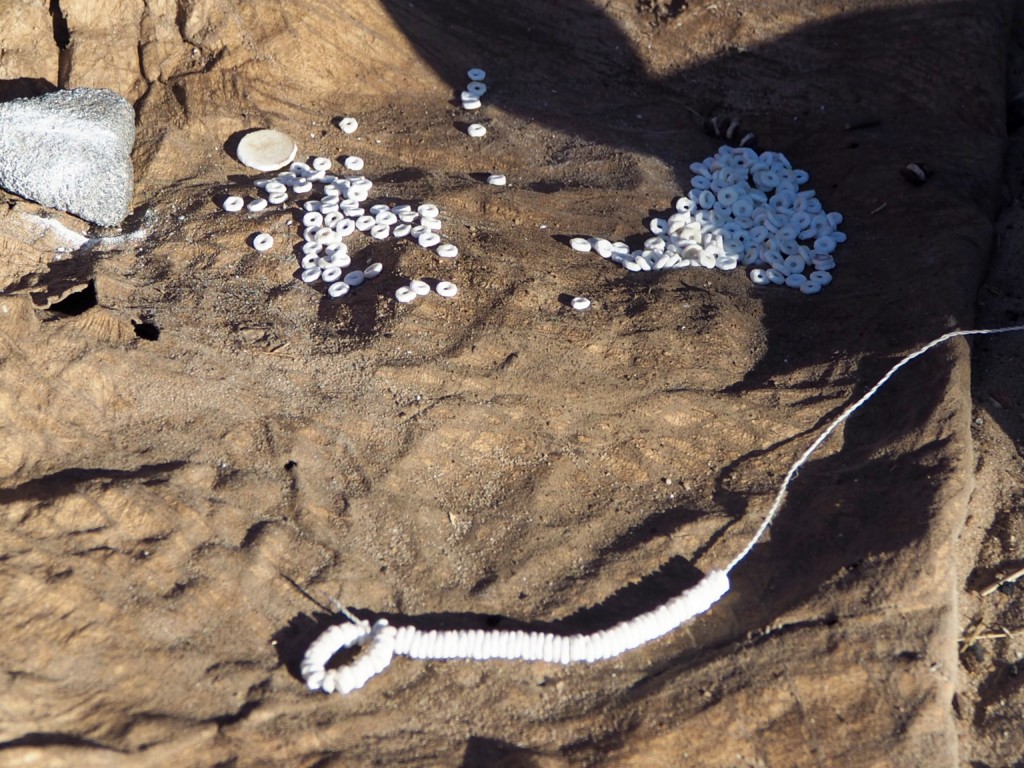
[336, 211]
[743, 209]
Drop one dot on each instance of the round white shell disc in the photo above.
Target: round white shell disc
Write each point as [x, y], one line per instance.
[266, 150]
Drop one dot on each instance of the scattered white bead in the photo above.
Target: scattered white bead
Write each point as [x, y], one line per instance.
[354, 278]
[497, 179]
[405, 294]
[447, 251]
[354, 163]
[419, 287]
[232, 203]
[256, 204]
[373, 270]
[322, 163]
[263, 242]
[581, 244]
[348, 124]
[428, 211]
[476, 130]
[476, 88]
[277, 198]
[471, 103]
[337, 290]
[380, 231]
[446, 289]
[311, 274]
[476, 75]
[580, 303]
[313, 219]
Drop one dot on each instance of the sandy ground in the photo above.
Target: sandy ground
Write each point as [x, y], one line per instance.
[202, 455]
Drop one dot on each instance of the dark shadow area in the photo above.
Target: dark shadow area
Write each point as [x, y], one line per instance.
[45, 739]
[68, 288]
[61, 32]
[565, 300]
[291, 641]
[403, 176]
[24, 87]
[67, 481]
[77, 302]
[486, 752]
[145, 330]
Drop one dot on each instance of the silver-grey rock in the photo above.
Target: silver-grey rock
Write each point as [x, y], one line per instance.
[70, 150]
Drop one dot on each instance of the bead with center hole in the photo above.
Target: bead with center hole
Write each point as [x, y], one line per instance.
[263, 242]
[446, 289]
[337, 290]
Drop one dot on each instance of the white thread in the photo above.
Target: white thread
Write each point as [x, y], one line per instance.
[780, 495]
[383, 641]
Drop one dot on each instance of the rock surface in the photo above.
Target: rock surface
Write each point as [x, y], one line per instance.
[70, 150]
[204, 454]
